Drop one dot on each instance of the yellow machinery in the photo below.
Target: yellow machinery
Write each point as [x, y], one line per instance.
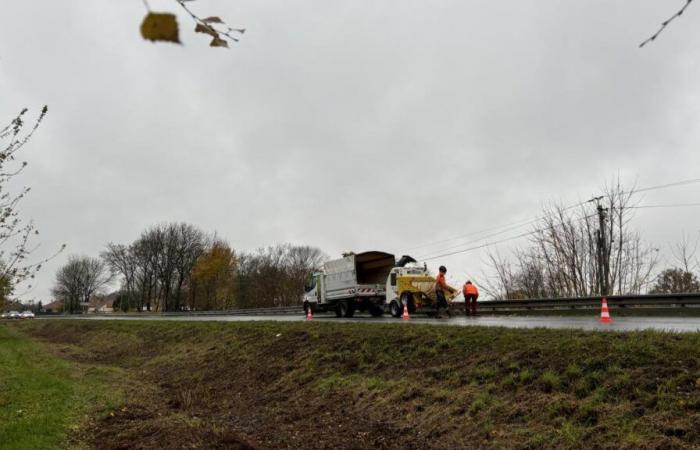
[414, 287]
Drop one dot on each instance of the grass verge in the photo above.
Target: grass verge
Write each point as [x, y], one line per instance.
[331, 385]
[44, 400]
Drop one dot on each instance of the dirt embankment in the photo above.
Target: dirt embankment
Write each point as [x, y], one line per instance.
[323, 385]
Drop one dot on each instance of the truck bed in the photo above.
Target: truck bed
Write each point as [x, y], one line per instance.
[357, 290]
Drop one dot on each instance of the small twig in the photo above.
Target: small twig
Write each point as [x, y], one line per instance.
[211, 26]
[666, 23]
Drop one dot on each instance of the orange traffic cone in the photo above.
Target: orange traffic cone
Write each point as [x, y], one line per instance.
[604, 313]
[309, 315]
[405, 315]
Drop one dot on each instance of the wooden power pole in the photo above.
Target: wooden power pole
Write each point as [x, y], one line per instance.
[602, 252]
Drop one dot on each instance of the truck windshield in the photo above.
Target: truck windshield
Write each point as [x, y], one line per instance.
[310, 284]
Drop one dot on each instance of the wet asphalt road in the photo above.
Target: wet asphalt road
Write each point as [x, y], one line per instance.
[678, 324]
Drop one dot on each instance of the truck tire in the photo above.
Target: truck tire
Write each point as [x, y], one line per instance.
[350, 311]
[376, 311]
[341, 308]
[407, 299]
[395, 309]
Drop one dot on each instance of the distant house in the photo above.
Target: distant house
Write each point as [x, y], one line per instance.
[54, 307]
[101, 304]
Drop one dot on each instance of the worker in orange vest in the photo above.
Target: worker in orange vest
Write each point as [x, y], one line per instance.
[471, 293]
[440, 288]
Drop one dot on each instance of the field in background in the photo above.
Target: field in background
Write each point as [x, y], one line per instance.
[332, 385]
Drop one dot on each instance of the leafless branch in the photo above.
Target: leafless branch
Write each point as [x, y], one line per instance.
[665, 23]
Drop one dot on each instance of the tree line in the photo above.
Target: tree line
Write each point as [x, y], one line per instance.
[177, 266]
[590, 250]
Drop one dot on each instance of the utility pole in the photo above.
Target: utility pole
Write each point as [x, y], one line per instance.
[602, 252]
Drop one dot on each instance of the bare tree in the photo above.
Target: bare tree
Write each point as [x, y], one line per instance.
[301, 262]
[78, 280]
[15, 234]
[275, 276]
[122, 261]
[166, 254]
[685, 253]
[189, 244]
[500, 284]
[146, 253]
[585, 251]
[676, 280]
[681, 278]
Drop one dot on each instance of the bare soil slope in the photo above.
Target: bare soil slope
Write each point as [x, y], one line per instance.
[342, 386]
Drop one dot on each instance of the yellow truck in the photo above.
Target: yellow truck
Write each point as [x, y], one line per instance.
[412, 285]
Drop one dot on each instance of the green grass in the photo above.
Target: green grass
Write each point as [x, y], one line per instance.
[43, 399]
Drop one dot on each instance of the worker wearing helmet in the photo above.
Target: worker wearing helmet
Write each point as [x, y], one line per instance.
[440, 288]
[471, 293]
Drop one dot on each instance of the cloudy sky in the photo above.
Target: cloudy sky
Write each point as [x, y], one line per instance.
[350, 125]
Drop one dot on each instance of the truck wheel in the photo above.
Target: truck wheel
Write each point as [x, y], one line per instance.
[395, 309]
[350, 311]
[376, 311]
[407, 299]
[341, 309]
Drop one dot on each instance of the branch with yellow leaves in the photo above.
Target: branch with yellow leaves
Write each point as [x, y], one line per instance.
[162, 26]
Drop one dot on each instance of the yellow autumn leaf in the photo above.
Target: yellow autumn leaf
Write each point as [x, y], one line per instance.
[213, 19]
[218, 42]
[201, 28]
[160, 27]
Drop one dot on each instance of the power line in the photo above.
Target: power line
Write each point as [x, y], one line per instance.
[664, 186]
[508, 227]
[483, 237]
[676, 205]
[529, 233]
[479, 246]
[515, 225]
[474, 233]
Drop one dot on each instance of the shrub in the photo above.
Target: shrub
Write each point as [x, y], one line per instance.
[526, 376]
[549, 380]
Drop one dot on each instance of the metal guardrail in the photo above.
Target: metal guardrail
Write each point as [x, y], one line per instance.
[279, 310]
[564, 303]
[614, 301]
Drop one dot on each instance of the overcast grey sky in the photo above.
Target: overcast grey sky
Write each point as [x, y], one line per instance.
[349, 125]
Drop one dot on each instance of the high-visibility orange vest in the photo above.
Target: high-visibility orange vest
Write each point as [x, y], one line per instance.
[440, 281]
[470, 289]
